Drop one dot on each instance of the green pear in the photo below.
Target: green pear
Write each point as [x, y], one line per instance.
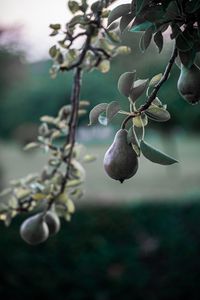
[34, 230]
[189, 83]
[53, 222]
[120, 160]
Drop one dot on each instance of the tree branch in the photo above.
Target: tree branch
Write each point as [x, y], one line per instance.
[156, 89]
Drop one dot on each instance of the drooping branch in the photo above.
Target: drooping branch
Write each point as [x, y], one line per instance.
[161, 82]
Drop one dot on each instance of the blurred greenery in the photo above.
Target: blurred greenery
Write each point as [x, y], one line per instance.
[27, 91]
[149, 251]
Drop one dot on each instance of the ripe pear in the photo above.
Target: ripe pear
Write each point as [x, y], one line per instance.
[34, 230]
[53, 222]
[189, 83]
[120, 160]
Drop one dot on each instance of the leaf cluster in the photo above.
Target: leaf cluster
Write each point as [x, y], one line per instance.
[153, 18]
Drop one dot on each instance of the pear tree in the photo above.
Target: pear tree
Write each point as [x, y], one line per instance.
[89, 41]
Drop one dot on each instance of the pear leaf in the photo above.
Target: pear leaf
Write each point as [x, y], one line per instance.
[112, 109]
[138, 89]
[146, 39]
[140, 25]
[118, 12]
[140, 121]
[96, 111]
[103, 119]
[157, 114]
[158, 39]
[155, 80]
[133, 140]
[125, 21]
[155, 155]
[125, 83]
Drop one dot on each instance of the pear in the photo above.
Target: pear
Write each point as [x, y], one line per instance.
[189, 83]
[53, 222]
[34, 230]
[120, 160]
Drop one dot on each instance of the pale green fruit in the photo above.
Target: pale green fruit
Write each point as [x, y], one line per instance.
[53, 222]
[189, 83]
[34, 230]
[120, 160]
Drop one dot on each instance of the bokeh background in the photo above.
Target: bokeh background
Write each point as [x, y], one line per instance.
[137, 240]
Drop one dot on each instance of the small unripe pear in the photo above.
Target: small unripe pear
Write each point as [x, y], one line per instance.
[120, 160]
[34, 230]
[189, 84]
[53, 222]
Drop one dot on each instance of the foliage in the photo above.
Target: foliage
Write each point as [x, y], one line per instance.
[54, 188]
[145, 251]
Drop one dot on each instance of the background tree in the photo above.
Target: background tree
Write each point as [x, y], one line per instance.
[52, 191]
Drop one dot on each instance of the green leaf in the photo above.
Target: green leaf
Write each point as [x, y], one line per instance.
[140, 5]
[112, 109]
[192, 6]
[31, 145]
[146, 39]
[138, 89]
[133, 140]
[172, 11]
[96, 111]
[125, 21]
[125, 83]
[157, 114]
[53, 51]
[55, 26]
[118, 12]
[73, 6]
[137, 26]
[140, 121]
[158, 39]
[155, 155]
[155, 79]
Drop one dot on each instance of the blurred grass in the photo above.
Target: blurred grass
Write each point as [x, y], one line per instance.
[152, 181]
[149, 251]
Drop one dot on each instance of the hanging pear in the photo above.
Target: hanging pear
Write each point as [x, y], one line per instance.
[189, 83]
[53, 222]
[34, 230]
[120, 160]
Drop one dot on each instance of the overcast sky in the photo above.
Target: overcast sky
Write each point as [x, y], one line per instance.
[35, 16]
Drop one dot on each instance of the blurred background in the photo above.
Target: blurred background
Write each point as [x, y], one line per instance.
[136, 240]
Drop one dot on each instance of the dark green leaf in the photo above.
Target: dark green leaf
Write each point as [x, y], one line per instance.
[140, 4]
[146, 39]
[192, 6]
[137, 26]
[158, 39]
[172, 11]
[125, 21]
[53, 51]
[125, 83]
[118, 12]
[55, 26]
[96, 111]
[155, 155]
[157, 114]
